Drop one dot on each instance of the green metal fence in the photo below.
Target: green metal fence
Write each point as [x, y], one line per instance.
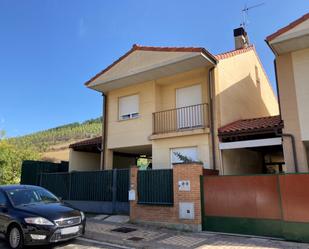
[123, 184]
[57, 183]
[107, 185]
[31, 170]
[92, 186]
[155, 187]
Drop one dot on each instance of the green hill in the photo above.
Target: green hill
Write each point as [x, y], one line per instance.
[41, 141]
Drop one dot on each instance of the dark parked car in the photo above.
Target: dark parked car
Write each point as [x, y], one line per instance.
[31, 215]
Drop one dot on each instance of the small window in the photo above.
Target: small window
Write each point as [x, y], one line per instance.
[128, 107]
[178, 154]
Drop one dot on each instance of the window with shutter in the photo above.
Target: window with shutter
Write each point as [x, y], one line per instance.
[128, 107]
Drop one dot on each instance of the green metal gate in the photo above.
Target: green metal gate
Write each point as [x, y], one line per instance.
[107, 189]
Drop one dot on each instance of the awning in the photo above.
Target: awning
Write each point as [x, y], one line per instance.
[251, 143]
[88, 145]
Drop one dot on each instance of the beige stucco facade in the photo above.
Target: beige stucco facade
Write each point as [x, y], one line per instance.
[291, 112]
[291, 47]
[136, 134]
[241, 90]
[161, 149]
[243, 85]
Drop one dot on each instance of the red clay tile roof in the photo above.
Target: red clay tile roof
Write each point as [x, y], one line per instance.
[234, 52]
[253, 125]
[288, 27]
[89, 142]
[136, 47]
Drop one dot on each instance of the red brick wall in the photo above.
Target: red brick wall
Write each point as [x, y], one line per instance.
[170, 214]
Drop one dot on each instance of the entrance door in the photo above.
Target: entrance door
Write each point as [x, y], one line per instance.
[189, 111]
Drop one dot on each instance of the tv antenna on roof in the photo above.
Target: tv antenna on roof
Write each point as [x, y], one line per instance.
[245, 12]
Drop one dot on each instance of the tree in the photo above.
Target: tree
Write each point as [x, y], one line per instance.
[2, 134]
[11, 158]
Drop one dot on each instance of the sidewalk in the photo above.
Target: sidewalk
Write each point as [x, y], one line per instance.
[137, 236]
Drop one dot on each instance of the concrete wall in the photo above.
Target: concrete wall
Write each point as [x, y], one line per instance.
[84, 161]
[290, 113]
[161, 149]
[241, 161]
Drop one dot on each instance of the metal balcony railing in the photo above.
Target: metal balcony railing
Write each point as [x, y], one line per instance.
[180, 119]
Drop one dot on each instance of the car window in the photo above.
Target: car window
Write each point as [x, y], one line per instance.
[31, 196]
[3, 200]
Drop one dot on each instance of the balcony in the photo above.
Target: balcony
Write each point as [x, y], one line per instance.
[181, 119]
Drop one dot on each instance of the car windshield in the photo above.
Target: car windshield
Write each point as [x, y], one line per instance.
[23, 197]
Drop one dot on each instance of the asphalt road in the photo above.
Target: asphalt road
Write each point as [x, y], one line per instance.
[75, 244]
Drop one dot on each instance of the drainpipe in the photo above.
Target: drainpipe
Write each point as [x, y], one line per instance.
[277, 87]
[104, 125]
[211, 116]
[291, 136]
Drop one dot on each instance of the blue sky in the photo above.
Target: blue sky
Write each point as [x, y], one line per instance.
[49, 48]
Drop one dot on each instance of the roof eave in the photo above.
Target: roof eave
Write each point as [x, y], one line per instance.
[135, 47]
[179, 65]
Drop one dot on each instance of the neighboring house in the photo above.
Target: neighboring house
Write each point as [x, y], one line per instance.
[164, 101]
[290, 45]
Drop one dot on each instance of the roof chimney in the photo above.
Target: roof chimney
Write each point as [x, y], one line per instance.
[241, 38]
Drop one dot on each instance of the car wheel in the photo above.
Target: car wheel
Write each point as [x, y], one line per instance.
[15, 237]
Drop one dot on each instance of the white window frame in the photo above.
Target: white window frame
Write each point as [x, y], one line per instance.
[187, 147]
[128, 115]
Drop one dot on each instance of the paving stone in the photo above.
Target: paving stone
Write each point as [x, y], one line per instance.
[100, 217]
[184, 241]
[118, 219]
[171, 239]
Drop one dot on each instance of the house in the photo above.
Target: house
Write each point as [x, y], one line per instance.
[161, 103]
[290, 45]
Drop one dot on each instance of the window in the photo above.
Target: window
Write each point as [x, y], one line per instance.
[190, 111]
[188, 152]
[31, 196]
[128, 107]
[188, 96]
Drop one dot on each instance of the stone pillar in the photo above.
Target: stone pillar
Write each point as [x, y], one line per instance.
[191, 173]
[133, 187]
[185, 214]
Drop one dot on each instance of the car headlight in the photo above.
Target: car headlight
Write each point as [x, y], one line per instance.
[82, 215]
[38, 221]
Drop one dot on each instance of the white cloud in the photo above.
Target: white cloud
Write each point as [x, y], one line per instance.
[81, 27]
